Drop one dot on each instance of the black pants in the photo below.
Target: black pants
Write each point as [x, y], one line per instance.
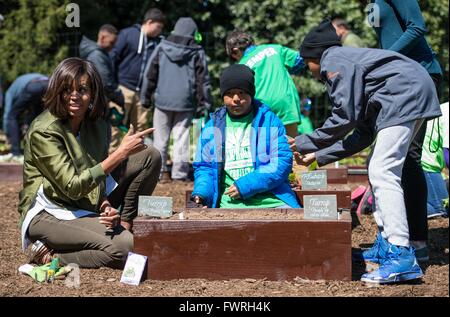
[415, 185]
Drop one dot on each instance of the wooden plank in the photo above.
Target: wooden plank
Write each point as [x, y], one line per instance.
[10, 172]
[342, 192]
[336, 175]
[228, 249]
[358, 174]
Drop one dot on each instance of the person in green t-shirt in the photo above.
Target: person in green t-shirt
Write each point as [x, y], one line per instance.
[273, 64]
[306, 125]
[433, 163]
[243, 159]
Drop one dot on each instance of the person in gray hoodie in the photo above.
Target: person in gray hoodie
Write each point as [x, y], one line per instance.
[130, 55]
[177, 75]
[376, 95]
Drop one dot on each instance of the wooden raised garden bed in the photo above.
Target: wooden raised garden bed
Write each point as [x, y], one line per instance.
[220, 244]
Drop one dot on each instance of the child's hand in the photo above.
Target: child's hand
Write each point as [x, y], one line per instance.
[304, 160]
[291, 142]
[233, 192]
[199, 200]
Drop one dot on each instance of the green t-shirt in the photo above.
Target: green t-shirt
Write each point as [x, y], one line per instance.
[273, 83]
[238, 163]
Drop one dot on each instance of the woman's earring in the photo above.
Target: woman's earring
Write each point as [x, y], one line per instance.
[90, 107]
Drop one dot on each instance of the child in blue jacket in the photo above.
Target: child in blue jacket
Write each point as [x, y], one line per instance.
[243, 159]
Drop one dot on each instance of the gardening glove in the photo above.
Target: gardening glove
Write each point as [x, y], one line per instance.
[39, 273]
[116, 116]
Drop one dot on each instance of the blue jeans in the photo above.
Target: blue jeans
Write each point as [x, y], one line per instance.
[437, 191]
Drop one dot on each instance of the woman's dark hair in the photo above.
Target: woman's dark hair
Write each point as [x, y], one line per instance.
[66, 73]
[238, 39]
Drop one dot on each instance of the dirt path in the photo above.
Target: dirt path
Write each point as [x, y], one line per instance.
[105, 282]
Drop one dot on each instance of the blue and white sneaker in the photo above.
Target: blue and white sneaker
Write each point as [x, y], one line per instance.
[376, 253]
[400, 265]
[435, 214]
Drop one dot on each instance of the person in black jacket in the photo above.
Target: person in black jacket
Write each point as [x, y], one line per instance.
[381, 97]
[97, 53]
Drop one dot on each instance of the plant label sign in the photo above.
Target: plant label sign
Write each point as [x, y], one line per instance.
[134, 267]
[154, 206]
[320, 207]
[314, 180]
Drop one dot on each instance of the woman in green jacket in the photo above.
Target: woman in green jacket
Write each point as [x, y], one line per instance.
[72, 189]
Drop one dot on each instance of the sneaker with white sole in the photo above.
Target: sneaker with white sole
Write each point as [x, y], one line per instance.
[11, 158]
[17, 159]
[400, 265]
[435, 214]
[6, 157]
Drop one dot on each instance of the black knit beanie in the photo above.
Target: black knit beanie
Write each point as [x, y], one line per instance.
[237, 76]
[318, 40]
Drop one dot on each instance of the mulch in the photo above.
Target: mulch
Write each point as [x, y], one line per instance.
[106, 282]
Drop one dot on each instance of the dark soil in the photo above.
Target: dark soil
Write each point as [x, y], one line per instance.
[230, 214]
[105, 282]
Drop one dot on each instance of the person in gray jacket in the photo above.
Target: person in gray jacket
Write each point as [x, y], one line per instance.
[98, 53]
[377, 94]
[178, 76]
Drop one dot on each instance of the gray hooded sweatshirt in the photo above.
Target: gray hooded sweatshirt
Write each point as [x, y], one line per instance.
[370, 89]
[177, 72]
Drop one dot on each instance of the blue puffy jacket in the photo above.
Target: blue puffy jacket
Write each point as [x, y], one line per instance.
[272, 158]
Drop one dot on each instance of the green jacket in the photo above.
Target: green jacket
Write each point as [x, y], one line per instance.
[69, 170]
